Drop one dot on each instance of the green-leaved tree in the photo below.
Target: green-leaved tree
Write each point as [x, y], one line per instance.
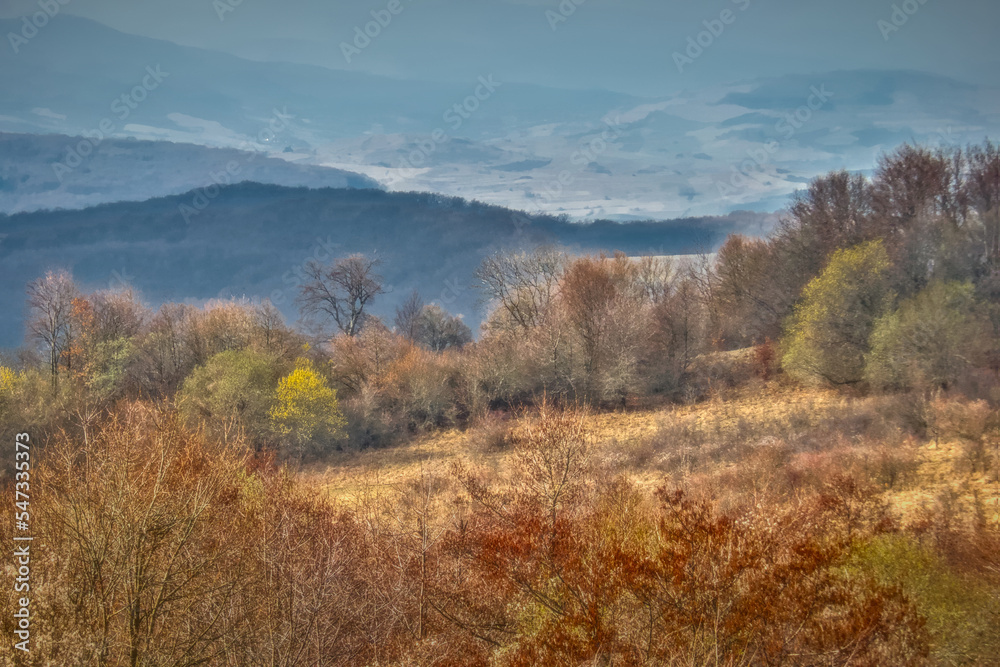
[930, 341]
[827, 337]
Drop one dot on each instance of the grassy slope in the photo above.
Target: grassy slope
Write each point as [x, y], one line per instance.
[722, 444]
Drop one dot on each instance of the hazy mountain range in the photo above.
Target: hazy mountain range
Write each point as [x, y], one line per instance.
[252, 240]
[590, 154]
[134, 170]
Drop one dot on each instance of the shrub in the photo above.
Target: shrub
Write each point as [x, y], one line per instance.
[422, 388]
[606, 579]
[11, 383]
[764, 357]
[972, 423]
[491, 434]
[233, 391]
[164, 548]
[403, 390]
[961, 614]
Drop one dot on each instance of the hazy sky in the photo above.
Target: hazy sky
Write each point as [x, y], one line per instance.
[624, 45]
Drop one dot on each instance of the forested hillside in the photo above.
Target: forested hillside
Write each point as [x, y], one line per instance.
[252, 240]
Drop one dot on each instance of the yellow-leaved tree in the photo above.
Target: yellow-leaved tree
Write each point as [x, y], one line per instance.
[306, 412]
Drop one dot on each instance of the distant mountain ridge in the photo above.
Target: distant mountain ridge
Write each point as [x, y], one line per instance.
[252, 240]
[72, 73]
[35, 171]
[590, 154]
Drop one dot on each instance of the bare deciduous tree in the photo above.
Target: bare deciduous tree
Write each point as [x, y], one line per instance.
[655, 276]
[50, 309]
[983, 194]
[269, 327]
[341, 291]
[437, 330]
[678, 332]
[604, 300]
[748, 305]
[118, 314]
[523, 284]
[408, 315]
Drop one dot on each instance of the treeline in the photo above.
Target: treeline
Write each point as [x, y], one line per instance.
[889, 282]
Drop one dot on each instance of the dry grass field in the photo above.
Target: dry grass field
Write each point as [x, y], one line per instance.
[737, 444]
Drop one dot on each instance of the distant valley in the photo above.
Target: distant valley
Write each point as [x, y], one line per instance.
[589, 154]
